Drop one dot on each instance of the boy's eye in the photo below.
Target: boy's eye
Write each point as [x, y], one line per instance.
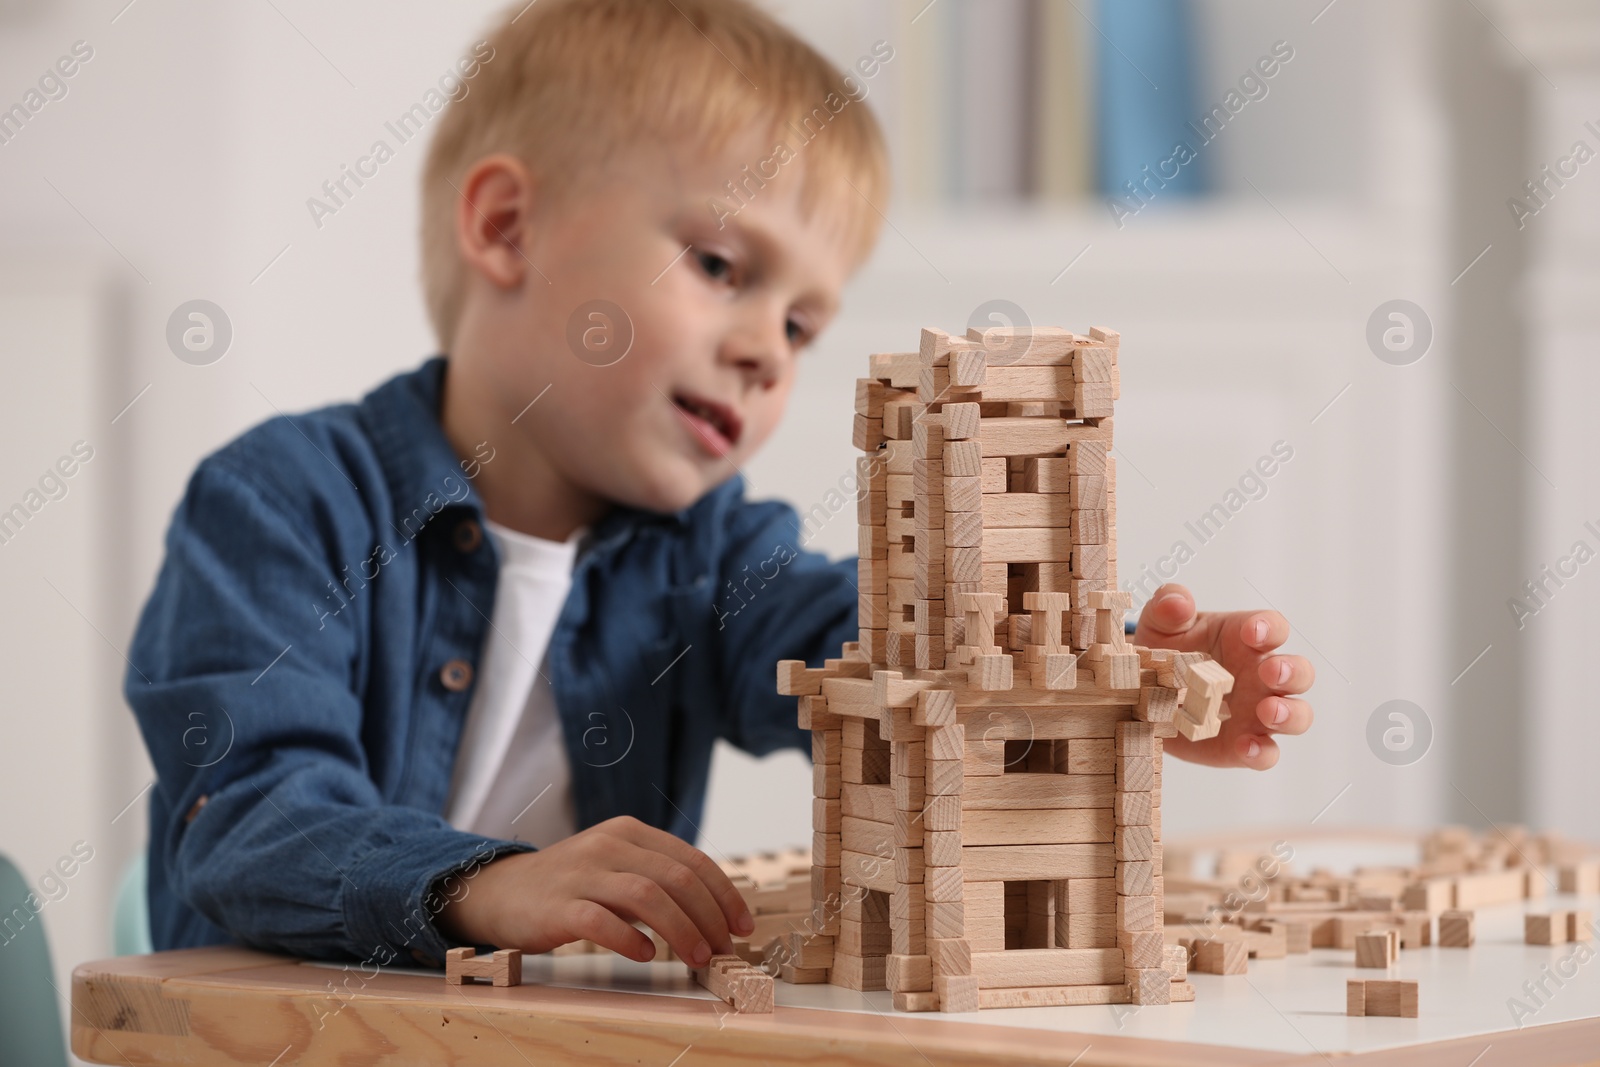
[714, 265]
[797, 332]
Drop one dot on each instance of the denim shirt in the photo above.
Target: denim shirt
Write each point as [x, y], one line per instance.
[302, 670]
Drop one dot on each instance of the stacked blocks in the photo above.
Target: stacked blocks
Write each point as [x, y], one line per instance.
[987, 757]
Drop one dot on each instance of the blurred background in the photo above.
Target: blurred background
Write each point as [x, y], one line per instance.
[1378, 258]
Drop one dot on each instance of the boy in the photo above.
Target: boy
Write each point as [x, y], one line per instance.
[465, 634]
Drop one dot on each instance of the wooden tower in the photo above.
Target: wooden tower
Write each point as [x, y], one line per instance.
[987, 758]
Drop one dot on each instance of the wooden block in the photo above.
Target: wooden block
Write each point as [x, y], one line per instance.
[1040, 545]
[943, 776]
[1581, 878]
[1042, 826]
[746, 987]
[865, 974]
[1135, 774]
[1032, 436]
[907, 973]
[991, 672]
[950, 955]
[1355, 997]
[1087, 459]
[1092, 895]
[1136, 878]
[1548, 929]
[1028, 790]
[1134, 843]
[1136, 913]
[995, 479]
[916, 1001]
[1220, 957]
[1378, 949]
[943, 884]
[1580, 926]
[945, 918]
[1149, 985]
[1132, 809]
[946, 742]
[1087, 931]
[961, 422]
[866, 433]
[1207, 683]
[1146, 949]
[1135, 739]
[1024, 511]
[503, 968]
[1018, 862]
[1091, 755]
[956, 992]
[963, 494]
[1047, 966]
[1456, 929]
[1393, 998]
[870, 394]
[963, 459]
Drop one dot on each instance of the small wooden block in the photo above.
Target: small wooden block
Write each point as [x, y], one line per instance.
[503, 968]
[1221, 957]
[1548, 929]
[956, 992]
[1456, 929]
[1378, 949]
[1355, 997]
[1392, 998]
[1149, 985]
[1580, 926]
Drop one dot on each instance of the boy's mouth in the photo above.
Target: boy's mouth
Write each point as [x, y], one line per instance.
[716, 424]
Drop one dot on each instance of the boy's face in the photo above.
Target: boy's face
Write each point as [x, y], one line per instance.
[711, 318]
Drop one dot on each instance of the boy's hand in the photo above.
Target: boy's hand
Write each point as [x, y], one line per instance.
[594, 885]
[1242, 641]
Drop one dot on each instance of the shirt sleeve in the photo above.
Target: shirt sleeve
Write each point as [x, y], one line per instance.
[274, 828]
[776, 600]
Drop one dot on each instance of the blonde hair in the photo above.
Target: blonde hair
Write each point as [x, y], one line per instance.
[571, 83]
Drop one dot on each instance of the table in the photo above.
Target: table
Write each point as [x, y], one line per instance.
[224, 1006]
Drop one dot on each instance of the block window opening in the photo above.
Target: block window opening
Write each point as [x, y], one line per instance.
[1030, 914]
[874, 756]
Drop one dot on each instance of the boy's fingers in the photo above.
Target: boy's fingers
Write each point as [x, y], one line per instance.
[1169, 612]
[1265, 630]
[598, 923]
[735, 911]
[1256, 751]
[1286, 674]
[637, 896]
[691, 894]
[1285, 715]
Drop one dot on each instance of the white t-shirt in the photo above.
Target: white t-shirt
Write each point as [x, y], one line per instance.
[512, 778]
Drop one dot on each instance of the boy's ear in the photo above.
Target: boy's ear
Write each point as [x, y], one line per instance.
[492, 218]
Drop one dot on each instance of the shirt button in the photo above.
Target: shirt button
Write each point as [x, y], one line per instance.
[468, 536]
[194, 812]
[456, 675]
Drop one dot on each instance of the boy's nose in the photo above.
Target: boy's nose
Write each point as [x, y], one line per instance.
[756, 355]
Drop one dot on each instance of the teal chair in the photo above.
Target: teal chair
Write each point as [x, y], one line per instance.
[130, 923]
[30, 1007]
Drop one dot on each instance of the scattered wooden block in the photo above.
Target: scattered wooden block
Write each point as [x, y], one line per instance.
[1456, 929]
[1221, 957]
[1381, 997]
[503, 968]
[1378, 949]
[746, 987]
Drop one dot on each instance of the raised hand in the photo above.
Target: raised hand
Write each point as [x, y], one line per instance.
[1263, 700]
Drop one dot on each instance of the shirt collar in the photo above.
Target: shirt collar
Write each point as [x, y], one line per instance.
[422, 468]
